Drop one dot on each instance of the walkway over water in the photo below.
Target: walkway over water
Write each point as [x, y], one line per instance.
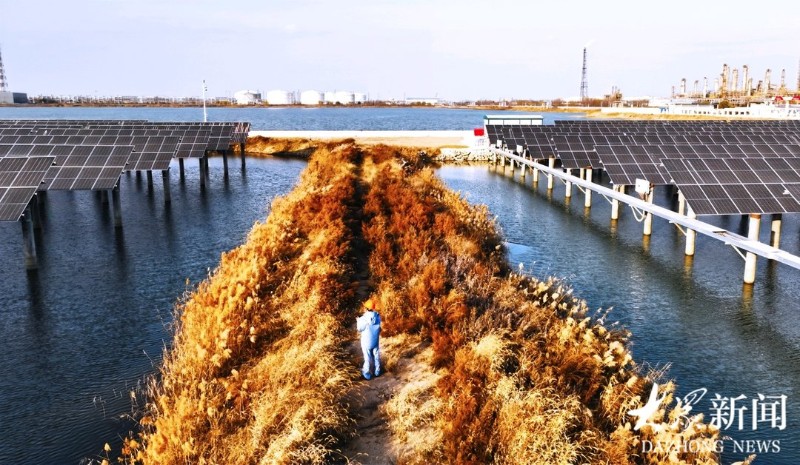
[749, 244]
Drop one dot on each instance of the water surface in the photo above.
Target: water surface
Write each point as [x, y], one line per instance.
[692, 316]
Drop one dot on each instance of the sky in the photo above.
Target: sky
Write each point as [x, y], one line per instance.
[454, 50]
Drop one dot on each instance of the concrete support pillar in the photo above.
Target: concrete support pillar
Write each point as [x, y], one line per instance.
[104, 197]
[165, 180]
[242, 150]
[587, 202]
[568, 185]
[750, 258]
[225, 163]
[535, 176]
[36, 218]
[116, 206]
[552, 164]
[202, 165]
[775, 236]
[681, 203]
[150, 178]
[180, 167]
[691, 234]
[648, 217]
[208, 171]
[615, 205]
[28, 241]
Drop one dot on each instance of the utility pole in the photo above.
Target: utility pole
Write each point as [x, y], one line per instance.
[205, 113]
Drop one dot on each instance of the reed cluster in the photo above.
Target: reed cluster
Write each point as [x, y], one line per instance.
[524, 372]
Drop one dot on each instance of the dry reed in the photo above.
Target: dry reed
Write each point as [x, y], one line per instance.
[525, 374]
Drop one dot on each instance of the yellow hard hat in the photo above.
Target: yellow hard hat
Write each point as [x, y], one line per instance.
[370, 304]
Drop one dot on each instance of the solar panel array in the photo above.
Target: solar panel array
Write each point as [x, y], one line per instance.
[91, 154]
[19, 180]
[682, 153]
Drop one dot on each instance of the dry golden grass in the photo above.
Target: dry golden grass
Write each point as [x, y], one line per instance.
[528, 376]
[256, 370]
[517, 369]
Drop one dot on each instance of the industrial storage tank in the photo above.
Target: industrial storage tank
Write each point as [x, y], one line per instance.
[247, 97]
[359, 98]
[344, 97]
[310, 97]
[330, 97]
[279, 97]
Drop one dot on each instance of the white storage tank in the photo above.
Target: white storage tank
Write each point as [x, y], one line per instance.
[247, 97]
[310, 97]
[279, 97]
[360, 98]
[344, 97]
[330, 97]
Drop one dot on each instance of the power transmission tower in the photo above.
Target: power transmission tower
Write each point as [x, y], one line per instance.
[3, 82]
[584, 81]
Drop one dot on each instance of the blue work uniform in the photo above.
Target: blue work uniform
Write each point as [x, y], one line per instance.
[369, 325]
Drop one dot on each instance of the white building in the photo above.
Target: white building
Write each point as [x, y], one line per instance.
[279, 97]
[344, 97]
[310, 97]
[359, 98]
[247, 97]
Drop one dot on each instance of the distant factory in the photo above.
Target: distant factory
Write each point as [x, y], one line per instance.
[279, 97]
[733, 85]
[6, 96]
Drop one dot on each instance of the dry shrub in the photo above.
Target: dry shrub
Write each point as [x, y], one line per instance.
[258, 372]
[529, 376]
[257, 368]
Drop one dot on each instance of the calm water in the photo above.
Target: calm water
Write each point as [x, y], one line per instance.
[694, 317]
[84, 330]
[290, 118]
[81, 332]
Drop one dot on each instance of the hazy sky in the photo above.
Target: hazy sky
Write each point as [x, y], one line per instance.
[389, 49]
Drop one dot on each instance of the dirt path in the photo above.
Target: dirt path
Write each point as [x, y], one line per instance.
[408, 376]
[405, 363]
[372, 444]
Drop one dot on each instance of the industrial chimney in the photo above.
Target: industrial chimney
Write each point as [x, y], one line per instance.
[724, 80]
[746, 83]
[735, 87]
[767, 77]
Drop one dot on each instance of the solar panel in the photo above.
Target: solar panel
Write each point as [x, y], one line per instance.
[625, 164]
[19, 180]
[85, 167]
[736, 186]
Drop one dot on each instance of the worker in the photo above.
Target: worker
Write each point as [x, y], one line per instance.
[369, 325]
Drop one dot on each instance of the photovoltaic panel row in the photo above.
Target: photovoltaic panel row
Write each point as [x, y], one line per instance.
[82, 167]
[149, 152]
[19, 180]
[578, 151]
[736, 186]
[155, 154]
[627, 163]
[223, 134]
